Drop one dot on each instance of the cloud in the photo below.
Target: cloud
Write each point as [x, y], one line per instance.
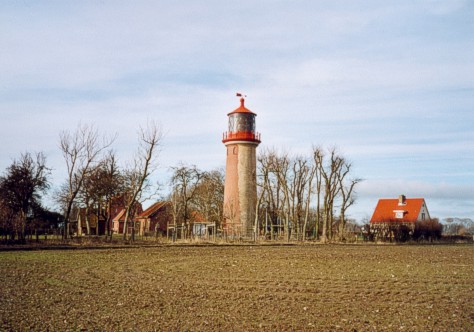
[388, 188]
[390, 83]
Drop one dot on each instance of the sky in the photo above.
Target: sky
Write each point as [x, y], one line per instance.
[389, 83]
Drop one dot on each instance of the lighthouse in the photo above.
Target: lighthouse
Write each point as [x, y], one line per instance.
[240, 191]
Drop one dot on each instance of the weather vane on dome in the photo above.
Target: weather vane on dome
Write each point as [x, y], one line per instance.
[238, 94]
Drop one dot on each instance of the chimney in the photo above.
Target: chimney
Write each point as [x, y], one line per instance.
[401, 200]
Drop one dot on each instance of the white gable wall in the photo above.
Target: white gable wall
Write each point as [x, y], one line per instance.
[423, 211]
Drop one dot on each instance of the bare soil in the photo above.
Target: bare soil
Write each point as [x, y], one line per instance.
[225, 288]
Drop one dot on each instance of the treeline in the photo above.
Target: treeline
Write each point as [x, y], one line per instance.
[458, 226]
[93, 181]
[196, 196]
[299, 197]
[304, 197]
[95, 184]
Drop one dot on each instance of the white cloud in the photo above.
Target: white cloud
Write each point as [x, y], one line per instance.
[388, 188]
[389, 83]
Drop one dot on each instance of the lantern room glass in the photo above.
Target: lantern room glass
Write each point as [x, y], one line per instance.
[242, 122]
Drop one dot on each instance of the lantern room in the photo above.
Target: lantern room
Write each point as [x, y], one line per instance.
[241, 126]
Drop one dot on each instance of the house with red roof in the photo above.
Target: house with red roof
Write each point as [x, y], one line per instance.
[395, 213]
[118, 221]
[93, 220]
[155, 219]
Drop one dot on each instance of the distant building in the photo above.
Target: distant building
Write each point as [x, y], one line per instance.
[394, 213]
[88, 222]
[155, 219]
[93, 220]
[118, 221]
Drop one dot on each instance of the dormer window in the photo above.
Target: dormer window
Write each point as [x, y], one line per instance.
[399, 214]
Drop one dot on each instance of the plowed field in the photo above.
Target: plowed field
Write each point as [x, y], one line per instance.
[222, 288]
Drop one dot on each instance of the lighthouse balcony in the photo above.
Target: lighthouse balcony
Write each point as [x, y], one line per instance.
[241, 136]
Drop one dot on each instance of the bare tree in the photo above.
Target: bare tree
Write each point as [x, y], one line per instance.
[209, 199]
[311, 176]
[348, 197]
[329, 172]
[185, 181]
[143, 165]
[260, 198]
[111, 186]
[318, 157]
[292, 186]
[285, 188]
[280, 167]
[81, 150]
[273, 170]
[176, 212]
[264, 187]
[102, 184]
[299, 191]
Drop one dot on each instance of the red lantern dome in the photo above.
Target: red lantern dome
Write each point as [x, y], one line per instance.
[241, 126]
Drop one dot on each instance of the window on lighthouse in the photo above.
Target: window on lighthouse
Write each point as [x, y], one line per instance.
[250, 123]
[232, 120]
[231, 123]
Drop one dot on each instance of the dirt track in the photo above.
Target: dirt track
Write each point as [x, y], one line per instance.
[240, 288]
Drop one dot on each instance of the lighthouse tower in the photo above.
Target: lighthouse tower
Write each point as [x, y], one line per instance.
[240, 192]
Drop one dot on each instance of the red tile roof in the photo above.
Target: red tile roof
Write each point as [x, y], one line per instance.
[152, 209]
[386, 210]
[120, 216]
[242, 108]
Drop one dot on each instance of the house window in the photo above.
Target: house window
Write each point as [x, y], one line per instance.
[399, 215]
[422, 216]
